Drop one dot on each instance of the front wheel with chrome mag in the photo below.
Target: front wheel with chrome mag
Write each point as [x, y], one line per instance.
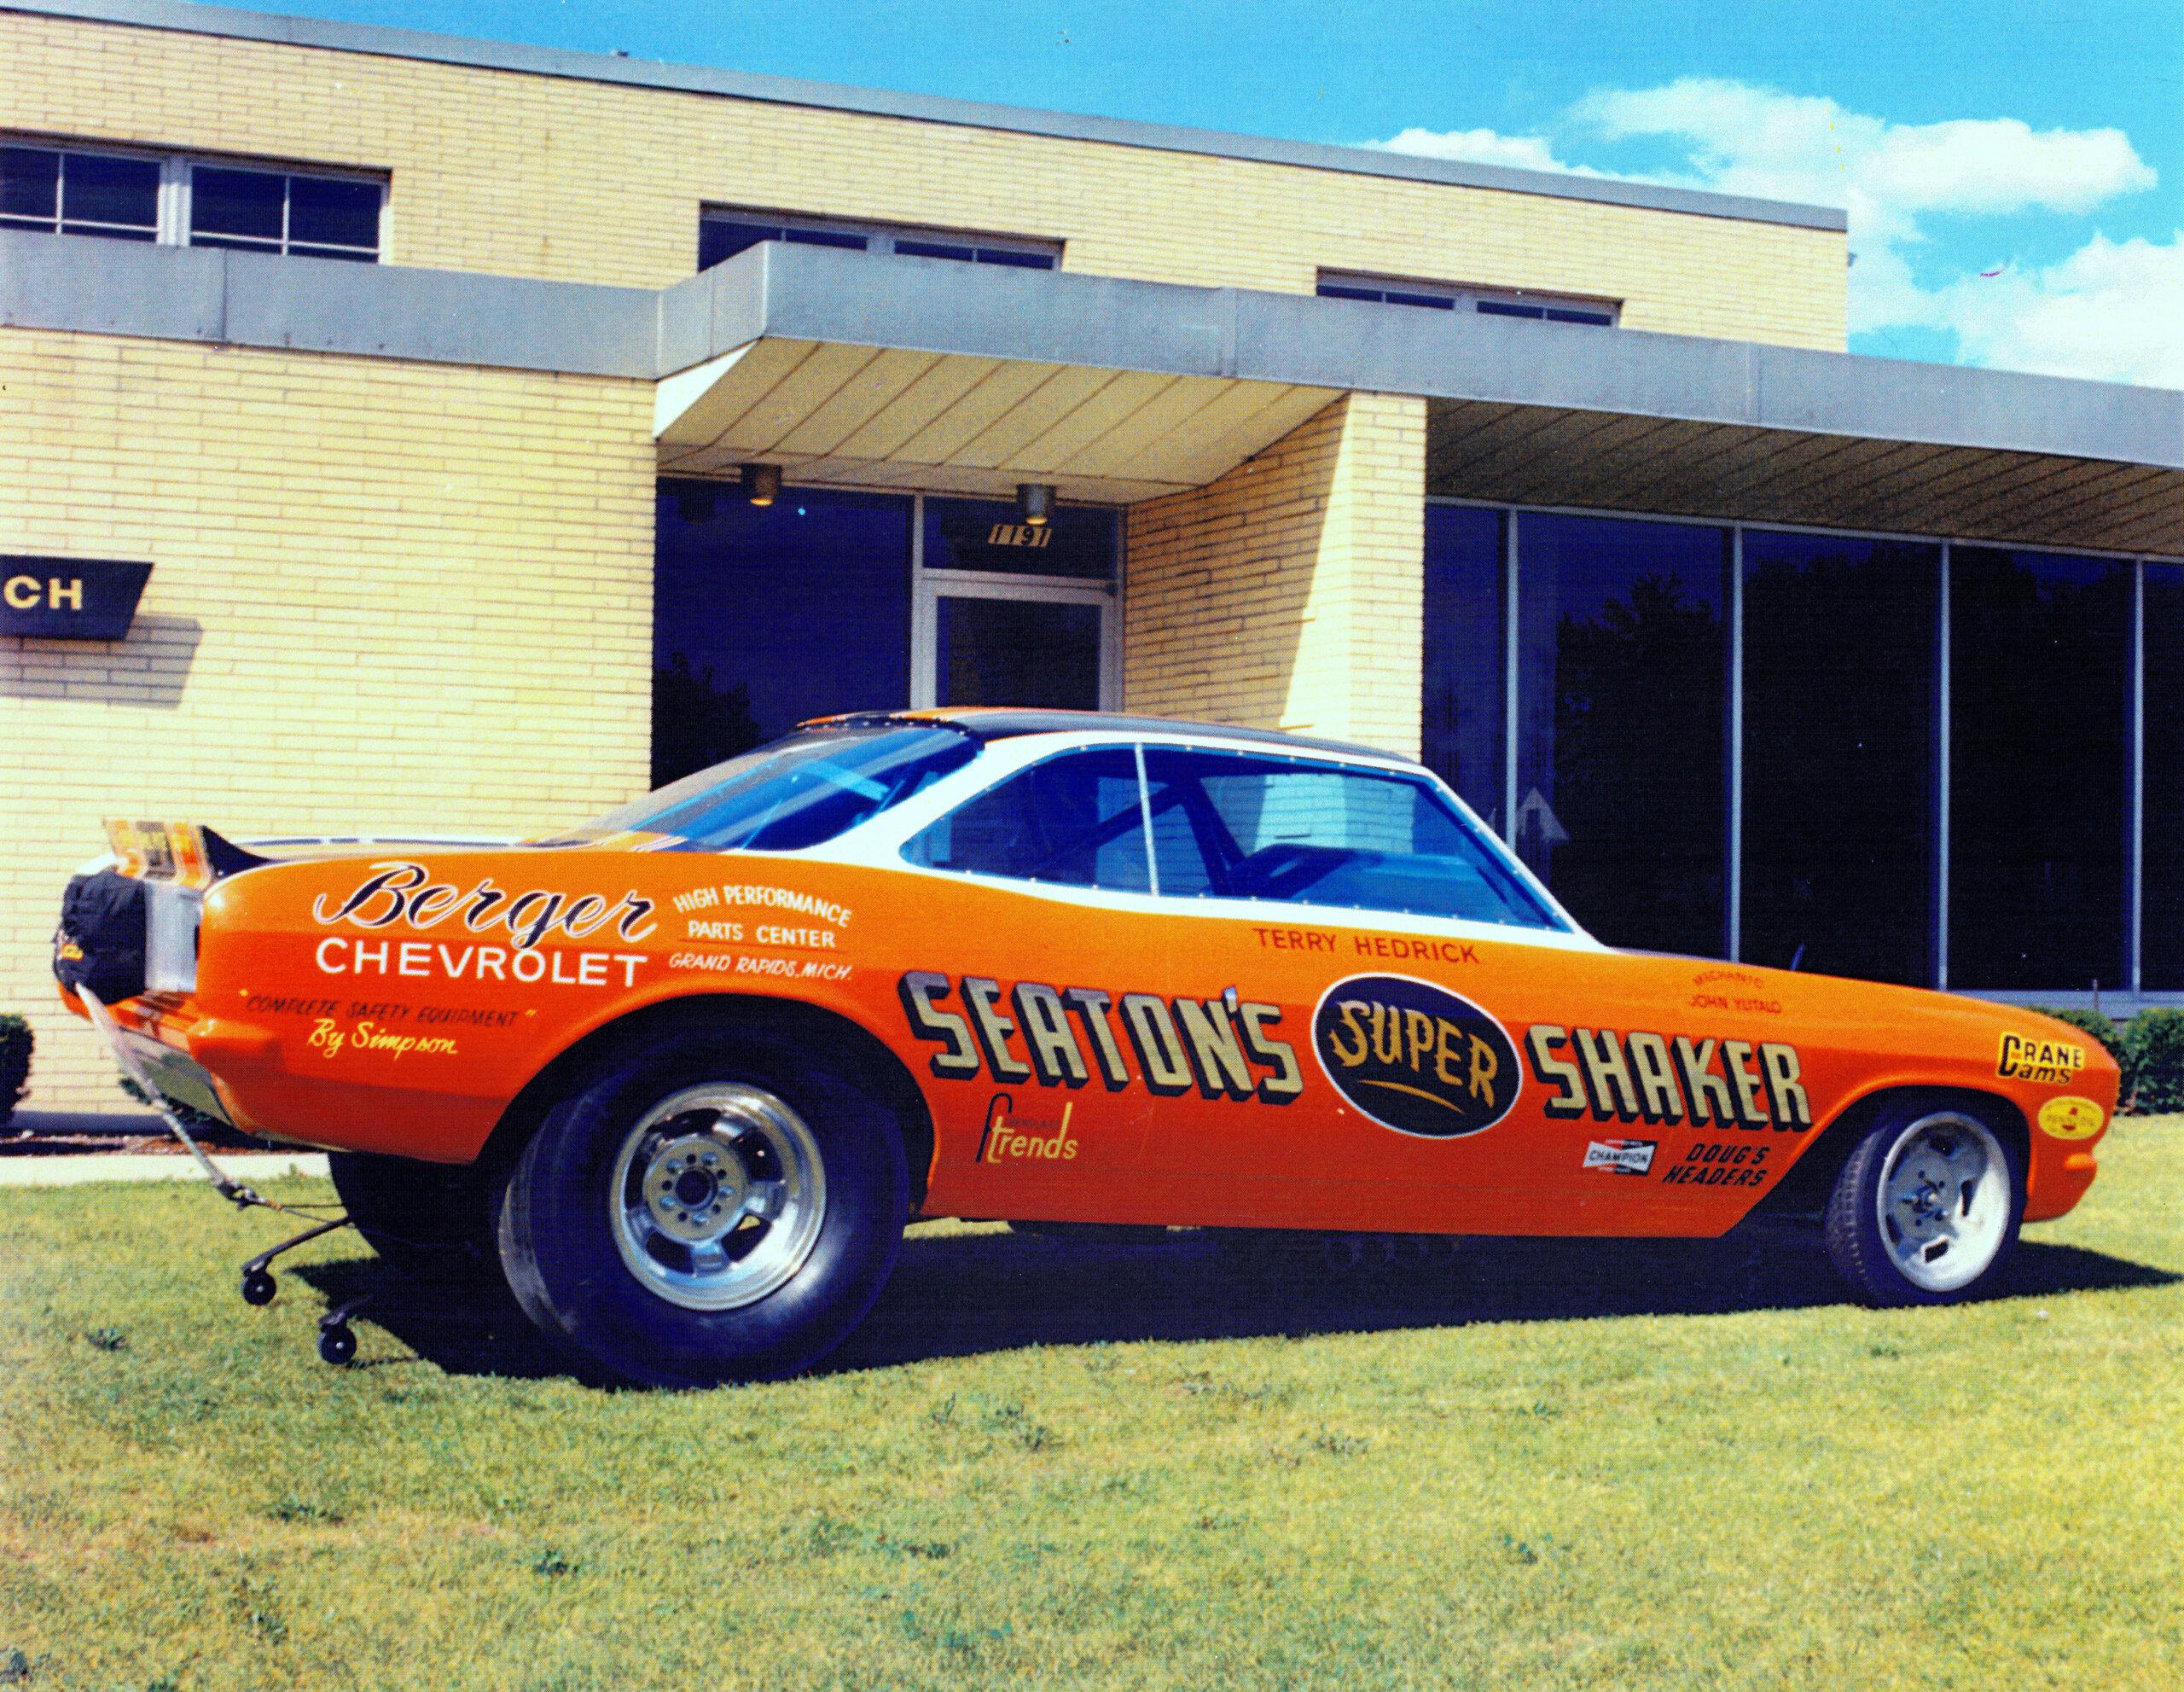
[706, 1211]
[1926, 1209]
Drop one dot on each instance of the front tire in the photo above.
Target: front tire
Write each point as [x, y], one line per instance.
[1926, 1210]
[707, 1210]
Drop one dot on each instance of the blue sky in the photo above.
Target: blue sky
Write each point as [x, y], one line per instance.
[2014, 170]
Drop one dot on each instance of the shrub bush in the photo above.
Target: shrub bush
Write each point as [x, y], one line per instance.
[2155, 1041]
[15, 1044]
[2102, 1029]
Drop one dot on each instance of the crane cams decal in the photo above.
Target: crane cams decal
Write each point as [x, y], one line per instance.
[1415, 1057]
[2054, 1062]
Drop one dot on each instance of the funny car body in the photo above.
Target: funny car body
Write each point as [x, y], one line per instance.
[684, 1076]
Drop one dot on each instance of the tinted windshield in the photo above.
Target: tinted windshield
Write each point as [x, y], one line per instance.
[799, 791]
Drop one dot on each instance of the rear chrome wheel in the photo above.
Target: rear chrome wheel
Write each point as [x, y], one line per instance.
[1926, 1208]
[717, 1195]
[707, 1209]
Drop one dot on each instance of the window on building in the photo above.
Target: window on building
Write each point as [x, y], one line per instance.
[1460, 297]
[286, 211]
[2040, 681]
[1464, 727]
[1840, 705]
[65, 191]
[1073, 820]
[1622, 713]
[179, 200]
[764, 616]
[725, 233]
[2162, 896]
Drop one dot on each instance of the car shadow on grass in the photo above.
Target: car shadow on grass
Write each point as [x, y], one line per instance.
[958, 1294]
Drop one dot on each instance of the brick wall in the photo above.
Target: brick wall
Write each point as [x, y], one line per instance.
[536, 175]
[1290, 593]
[382, 594]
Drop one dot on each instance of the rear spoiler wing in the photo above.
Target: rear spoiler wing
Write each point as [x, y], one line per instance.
[187, 854]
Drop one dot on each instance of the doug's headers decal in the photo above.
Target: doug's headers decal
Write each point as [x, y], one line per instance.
[1415, 1057]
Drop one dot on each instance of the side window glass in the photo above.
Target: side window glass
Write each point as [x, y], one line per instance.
[1073, 820]
[1232, 825]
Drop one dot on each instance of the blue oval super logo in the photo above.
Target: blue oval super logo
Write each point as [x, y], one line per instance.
[1415, 1057]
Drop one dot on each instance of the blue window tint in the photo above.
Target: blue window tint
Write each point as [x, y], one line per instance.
[764, 616]
[2040, 664]
[798, 791]
[1566, 314]
[843, 238]
[1622, 737]
[1840, 649]
[1465, 718]
[2162, 914]
[1011, 257]
[937, 249]
[1432, 302]
[1080, 542]
[30, 187]
[1500, 308]
[1236, 825]
[1073, 820]
[325, 213]
[720, 238]
[245, 204]
[1032, 653]
[1346, 291]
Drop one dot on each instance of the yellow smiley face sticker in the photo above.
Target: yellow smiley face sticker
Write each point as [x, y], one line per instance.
[2071, 1118]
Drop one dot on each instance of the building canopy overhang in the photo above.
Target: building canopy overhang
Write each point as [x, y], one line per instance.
[884, 372]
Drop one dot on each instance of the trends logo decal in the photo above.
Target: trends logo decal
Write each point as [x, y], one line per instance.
[1415, 1057]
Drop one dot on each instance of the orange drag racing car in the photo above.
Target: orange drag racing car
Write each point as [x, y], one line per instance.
[684, 1076]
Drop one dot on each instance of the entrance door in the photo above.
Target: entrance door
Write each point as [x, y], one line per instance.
[999, 621]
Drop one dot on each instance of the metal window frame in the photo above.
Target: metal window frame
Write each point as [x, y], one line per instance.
[2134, 912]
[171, 218]
[882, 235]
[928, 587]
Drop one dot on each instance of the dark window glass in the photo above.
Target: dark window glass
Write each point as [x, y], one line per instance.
[720, 238]
[2039, 687]
[937, 249]
[1231, 825]
[1564, 314]
[1386, 295]
[1431, 302]
[1465, 715]
[104, 195]
[1498, 308]
[235, 203]
[2162, 902]
[1073, 819]
[827, 238]
[764, 616]
[323, 212]
[1010, 256]
[355, 255]
[1623, 747]
[1025, 652]
[798, 792]
[1079, 540]
[2036, 769]
[1841, 642]
[30, 186]
[1347, 291]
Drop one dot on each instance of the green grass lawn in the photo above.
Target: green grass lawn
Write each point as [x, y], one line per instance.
[1049, 1464]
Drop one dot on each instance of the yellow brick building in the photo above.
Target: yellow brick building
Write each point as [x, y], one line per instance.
[439, 383]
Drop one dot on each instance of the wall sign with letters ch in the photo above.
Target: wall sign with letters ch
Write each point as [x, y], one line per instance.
[69, 599]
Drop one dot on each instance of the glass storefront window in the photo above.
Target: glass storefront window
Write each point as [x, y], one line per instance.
[1464, 730]
[1040, 654]
[764, 616]
[2040, 677]
[2162, 901]
[1840, 697]
[1622, 702]
[1080, 542]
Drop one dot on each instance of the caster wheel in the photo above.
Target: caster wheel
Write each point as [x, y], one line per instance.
[337, 1345]
[258, 1286]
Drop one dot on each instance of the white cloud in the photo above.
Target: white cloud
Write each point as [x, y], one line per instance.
[1482, 147]
[2112, 311]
